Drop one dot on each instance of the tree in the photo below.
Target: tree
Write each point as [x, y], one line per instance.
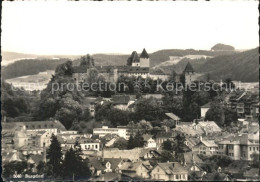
[228, 84]
[121, 144]
[54, 156]
[139, 139]
[167, 145]
[255, 161]
[74, 165]
[14, 167]
[70, 164]
[215, 113]
[148, 109]
[166, 156]
[131, 142]
[230, 116]
[64, 69]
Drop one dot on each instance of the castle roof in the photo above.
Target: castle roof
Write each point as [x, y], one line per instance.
[144, 54]
[134, 57]
[188, 68]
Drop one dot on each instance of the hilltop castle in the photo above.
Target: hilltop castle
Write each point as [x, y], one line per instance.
[135, 66]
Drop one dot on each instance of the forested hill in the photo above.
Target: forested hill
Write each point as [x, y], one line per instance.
[29, 67]
[242, 66]
[33, 65]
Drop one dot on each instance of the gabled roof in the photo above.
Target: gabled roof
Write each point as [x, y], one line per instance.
[206, 105]
[172, 167]
[191, 158]
[188, 68]
[173, 116]
[209, 143]
[131, 166]
[144, 54]
[100, 164]
[147, 137]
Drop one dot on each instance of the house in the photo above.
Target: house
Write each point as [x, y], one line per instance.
[195, 172]
[54, 127]
[85, 144]
[191, 141]
[169, 171]
[9, 156]
[189, 129]
[240, 146]
[122, 102]
[206, 147]
[39, 138]
[135, 169]
[216, 177]
[136, 154]
[13, 135]
[190, 158]
[121, 132]
[26, 150]
[34, 160]
[204, 109]
[149, 141]
[164, 136]
[175, 118]
[209, 127]
[100, 166]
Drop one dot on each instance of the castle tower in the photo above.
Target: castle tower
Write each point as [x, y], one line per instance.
[189, 74]
[133, 60]
[144, 59]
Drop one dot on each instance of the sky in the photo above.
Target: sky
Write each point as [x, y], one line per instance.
[74, 28]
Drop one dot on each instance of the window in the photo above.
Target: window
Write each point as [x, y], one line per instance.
[177, 176]
[158, 170]
[250, 148]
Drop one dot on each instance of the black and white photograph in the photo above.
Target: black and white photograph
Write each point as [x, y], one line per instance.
[130, 90]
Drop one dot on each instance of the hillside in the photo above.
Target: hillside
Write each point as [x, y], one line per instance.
[37, 63]
[242, 66]
[29, 67]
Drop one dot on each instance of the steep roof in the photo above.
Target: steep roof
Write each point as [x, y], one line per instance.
[206, 105]
[173, 116]
[134, 57]
[209, 126]
[144, 54]
[188, 68]
[189, 157]
[131, 166]
[172, 167]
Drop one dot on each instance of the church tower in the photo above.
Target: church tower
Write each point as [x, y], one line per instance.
[189, 74]
[144, 59]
